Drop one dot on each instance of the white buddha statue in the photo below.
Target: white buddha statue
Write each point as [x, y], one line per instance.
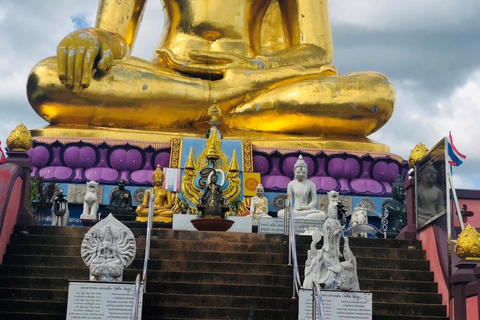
[259, 204]
[303, 192]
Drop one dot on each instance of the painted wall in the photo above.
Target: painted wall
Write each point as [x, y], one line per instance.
[472, 308]
[472, 205]
[10, 216]
[426, 235]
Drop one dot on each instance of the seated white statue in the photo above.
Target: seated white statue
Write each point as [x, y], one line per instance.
[259, 204]
[304, 194]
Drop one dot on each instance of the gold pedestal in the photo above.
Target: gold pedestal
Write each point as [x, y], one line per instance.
[258, 139]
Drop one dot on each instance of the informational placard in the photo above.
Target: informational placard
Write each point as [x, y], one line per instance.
[337, 305]
[184, 222]
[101, 301]
[276, 226]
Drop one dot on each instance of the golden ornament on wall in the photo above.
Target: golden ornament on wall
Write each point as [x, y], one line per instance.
[20, 139]
[416, 154]
[468, 244]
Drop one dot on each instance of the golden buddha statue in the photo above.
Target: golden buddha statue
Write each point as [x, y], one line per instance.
[162, 202]
[265, 63]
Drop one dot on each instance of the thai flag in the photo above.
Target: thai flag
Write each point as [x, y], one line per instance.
[455, 158]
[2, 155]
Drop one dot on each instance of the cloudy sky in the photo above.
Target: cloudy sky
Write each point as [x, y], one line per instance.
[430, 49]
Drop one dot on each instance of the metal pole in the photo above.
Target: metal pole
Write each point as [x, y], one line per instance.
[287, 231]
[455, 201]
[285, 216]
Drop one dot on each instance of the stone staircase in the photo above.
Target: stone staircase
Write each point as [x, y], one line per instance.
[209, 275]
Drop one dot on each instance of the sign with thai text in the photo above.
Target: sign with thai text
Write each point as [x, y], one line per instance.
[101, 301]
[276, 226]
[337, 305]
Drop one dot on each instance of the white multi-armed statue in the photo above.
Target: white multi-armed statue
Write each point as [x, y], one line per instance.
[324, 265]
[107, 249]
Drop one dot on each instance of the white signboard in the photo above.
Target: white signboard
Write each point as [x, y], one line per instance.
[275, 225]
[183, 222]
[100, 301]
[337, 305]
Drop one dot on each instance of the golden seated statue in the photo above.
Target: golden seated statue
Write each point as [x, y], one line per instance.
[162, 202]
[266, 63]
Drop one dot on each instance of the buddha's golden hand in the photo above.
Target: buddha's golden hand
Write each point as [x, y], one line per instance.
[204, 62]
[85, 51]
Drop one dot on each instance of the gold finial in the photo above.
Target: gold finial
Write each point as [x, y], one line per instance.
[212, 153]
[212, 143]
[234, 164]
[20, 139]
[416, 154]
[190, 164]
[468, 244]
[214, 112]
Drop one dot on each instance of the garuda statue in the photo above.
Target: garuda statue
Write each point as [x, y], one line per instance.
[267, 64]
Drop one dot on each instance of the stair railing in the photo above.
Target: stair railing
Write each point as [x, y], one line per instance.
[141, 285]
[293, 249]
[136, 298]
[317, 302]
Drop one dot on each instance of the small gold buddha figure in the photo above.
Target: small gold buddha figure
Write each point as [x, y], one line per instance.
[162, 203]
[259, 204]
[266, 63]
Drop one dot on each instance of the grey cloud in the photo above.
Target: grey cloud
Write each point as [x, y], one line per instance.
[437, 61]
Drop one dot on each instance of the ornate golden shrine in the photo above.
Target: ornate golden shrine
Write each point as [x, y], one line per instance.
[211, 160]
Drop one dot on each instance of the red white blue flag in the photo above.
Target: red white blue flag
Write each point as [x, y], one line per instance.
[2, 155]
[455, 158]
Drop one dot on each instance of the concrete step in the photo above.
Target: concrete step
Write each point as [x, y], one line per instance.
[225, 237]
[223, 262]
[33, 294]
[161, 247]
[409, 308]
[159, 234]
[207, 312]
[81, 272]
[238, 289]
[398, 285]
[33, 282]
[407, 297]
[305, 241]
[219, 236]
[407, 317]
[20, 315]
[33, 306]
[219, 301]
